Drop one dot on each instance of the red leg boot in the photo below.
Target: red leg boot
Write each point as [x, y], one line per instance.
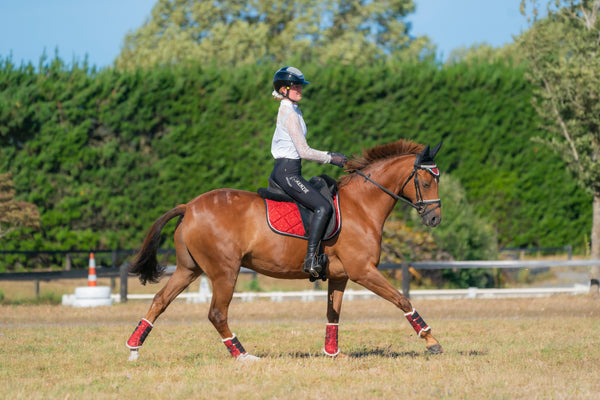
[331, 340]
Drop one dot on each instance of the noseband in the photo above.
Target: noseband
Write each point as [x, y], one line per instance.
[420, 205]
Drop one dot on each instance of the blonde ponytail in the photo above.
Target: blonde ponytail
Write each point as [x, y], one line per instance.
[277, 95]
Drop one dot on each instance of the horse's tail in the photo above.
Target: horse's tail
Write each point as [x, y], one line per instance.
[145, 264]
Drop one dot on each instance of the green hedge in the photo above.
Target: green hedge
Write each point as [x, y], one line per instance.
[104, 153]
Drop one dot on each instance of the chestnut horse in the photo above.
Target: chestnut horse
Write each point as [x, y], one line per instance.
[223, 230]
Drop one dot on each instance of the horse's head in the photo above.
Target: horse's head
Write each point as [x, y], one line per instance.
[424, 193]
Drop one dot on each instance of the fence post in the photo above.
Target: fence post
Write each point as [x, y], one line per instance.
[123, 287]
[405, 280]
[113, 259]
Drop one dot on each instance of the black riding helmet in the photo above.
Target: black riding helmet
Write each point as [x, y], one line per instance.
[288, 76]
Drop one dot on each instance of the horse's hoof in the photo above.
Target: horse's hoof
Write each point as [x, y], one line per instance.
[246, 357]
[339, 354]
[435, 349]
[133, 355]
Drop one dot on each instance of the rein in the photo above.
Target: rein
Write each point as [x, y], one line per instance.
[420, 205]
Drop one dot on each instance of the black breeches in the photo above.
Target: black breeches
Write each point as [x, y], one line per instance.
[287, 173]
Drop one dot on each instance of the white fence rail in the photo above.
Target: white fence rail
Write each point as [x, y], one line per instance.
[122, 274]
[349, 295]
[204, 295]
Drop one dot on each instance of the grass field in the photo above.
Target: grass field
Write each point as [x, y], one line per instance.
[539, 348]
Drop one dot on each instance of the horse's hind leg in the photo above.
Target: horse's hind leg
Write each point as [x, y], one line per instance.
[181, 279]
[185, 273]
[223, 287]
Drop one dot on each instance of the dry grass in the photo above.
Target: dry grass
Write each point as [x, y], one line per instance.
[546, 348]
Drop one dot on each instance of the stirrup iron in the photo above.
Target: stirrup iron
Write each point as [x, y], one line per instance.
[312, 266]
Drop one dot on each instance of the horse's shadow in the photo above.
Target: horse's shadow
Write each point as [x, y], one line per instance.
[385, 353]
[472, 353]
[388, 353]
[378, 352]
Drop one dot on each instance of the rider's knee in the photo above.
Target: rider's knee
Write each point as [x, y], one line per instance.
[324, 209]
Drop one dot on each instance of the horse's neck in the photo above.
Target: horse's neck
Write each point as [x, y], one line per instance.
[377, 204]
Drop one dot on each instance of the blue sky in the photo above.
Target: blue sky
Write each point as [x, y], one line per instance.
[80, 28]
[455, 23]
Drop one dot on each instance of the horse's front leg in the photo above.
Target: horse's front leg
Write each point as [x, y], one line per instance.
[373, 280]
[335, 295]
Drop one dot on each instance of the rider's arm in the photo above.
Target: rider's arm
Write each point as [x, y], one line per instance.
[307, 153]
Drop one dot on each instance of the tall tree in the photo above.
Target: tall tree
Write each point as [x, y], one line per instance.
[15, 214]
[563, 50]
[236, 32]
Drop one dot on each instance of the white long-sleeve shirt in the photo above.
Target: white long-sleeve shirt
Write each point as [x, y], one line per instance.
[289, 139]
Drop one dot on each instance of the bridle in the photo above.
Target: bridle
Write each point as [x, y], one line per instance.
[420, 205]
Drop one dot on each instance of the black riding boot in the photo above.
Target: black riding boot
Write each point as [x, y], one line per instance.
[317, 228]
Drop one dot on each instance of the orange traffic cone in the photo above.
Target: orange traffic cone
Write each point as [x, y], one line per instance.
[92, 271]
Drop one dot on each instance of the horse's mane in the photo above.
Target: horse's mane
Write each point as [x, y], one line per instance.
[378, 153]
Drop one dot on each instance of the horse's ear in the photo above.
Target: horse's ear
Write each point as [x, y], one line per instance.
[434, 151]
[422, 156]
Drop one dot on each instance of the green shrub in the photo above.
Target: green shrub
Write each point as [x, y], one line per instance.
[103, 154]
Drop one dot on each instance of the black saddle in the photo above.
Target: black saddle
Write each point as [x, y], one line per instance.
[325, 184]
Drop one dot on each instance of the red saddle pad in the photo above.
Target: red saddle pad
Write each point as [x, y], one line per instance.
[285, 218]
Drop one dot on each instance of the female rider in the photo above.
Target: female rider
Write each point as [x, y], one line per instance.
[289, 147]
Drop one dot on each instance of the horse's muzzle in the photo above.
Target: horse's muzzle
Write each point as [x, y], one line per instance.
[432, 219]
[431, 214]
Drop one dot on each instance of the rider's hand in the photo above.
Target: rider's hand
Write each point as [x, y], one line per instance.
[338, 159]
